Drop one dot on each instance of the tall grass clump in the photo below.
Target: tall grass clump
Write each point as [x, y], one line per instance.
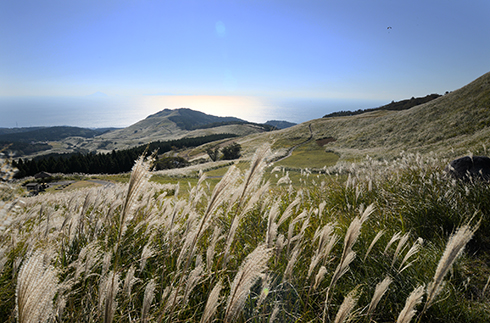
[356, 242]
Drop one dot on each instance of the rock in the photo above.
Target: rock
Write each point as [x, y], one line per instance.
[476, 167]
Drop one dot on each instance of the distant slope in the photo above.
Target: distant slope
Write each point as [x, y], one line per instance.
[46, 133]
[4, 131]
[452, 125]
[279, 124]
[166, 125]
[187, 119]
[393, 106]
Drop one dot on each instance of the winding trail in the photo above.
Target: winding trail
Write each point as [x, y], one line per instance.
[290, 151]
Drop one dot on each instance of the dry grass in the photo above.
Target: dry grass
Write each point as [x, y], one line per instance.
[247, 251]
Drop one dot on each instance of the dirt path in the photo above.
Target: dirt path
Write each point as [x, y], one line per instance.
[290, 151]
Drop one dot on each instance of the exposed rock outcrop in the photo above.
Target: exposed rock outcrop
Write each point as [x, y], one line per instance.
[476, 167]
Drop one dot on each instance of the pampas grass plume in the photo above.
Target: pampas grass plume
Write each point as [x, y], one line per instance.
[347, 306]
[147, 300]
[36, 286]
[412, 301]
[212, 303]
[453, 250]
[253, 267]
[379, 291]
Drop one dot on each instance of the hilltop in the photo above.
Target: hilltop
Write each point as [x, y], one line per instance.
[165, 125]
[170, 125]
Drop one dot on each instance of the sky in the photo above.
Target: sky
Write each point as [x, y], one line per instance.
[112, 63]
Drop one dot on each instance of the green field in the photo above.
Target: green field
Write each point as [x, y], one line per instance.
[309, 155]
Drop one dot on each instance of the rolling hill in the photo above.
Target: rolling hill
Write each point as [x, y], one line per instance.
[170, 125]
[165, 125]
[451, 125]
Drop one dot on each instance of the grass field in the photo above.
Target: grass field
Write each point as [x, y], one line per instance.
[374, 241]
[309, 155]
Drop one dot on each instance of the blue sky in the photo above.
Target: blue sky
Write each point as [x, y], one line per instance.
[294, 60]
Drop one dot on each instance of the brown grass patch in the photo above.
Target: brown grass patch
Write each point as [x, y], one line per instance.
[324, 141]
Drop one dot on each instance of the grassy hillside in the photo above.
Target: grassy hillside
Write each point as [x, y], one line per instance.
[49, 134]
[452, 125]
[371, 246]
[396, 106]
[164, 125]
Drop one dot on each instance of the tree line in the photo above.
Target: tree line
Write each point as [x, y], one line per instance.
[393, 106]
[118, 161]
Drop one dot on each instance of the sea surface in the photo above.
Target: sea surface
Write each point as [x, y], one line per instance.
[118, 111]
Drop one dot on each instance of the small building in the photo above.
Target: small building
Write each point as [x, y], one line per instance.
[33, 188]
[42, 175]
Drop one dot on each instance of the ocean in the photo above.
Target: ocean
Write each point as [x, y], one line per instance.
[118, 111]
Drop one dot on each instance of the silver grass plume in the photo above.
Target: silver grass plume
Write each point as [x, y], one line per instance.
[376, 238]
[367, 212]
[265, 289]
[252, 180]
[36, 287]
[379, 291]
[345, 310]
[412, 301]
[107, 296]
[212, 247]
[482, 292]
[87, 258]
[139, 177]
[212, 303]
[252, 268]
[271, 224]
[253, 176]
[326, 241]
[394, 238]
[220, 192]
[147, 300]
[280, 243]
[192, 281]
[146, 254]
[129, 281]
[348, 255]
[3, 258]
[400, 247]
[289, 210]
[292, 260]
[319, 277]
[274, 313]
[412, 251]
[453, 250]
[106, 262]
[284, 180]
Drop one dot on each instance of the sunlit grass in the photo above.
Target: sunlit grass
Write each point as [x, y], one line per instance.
[307, 247]
[309, 155]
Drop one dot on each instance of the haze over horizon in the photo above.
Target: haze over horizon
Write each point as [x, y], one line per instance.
[113, 63]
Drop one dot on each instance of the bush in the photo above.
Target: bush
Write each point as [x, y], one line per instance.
[231, 152]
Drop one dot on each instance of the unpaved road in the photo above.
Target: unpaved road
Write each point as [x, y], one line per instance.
[290, 151]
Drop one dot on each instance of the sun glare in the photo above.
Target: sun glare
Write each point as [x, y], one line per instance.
[244, 107]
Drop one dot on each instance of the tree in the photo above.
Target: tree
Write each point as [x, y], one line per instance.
[232, 151]
[213, 153]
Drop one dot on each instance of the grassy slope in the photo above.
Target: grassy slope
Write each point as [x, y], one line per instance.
[78, 232]
[451, 125]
